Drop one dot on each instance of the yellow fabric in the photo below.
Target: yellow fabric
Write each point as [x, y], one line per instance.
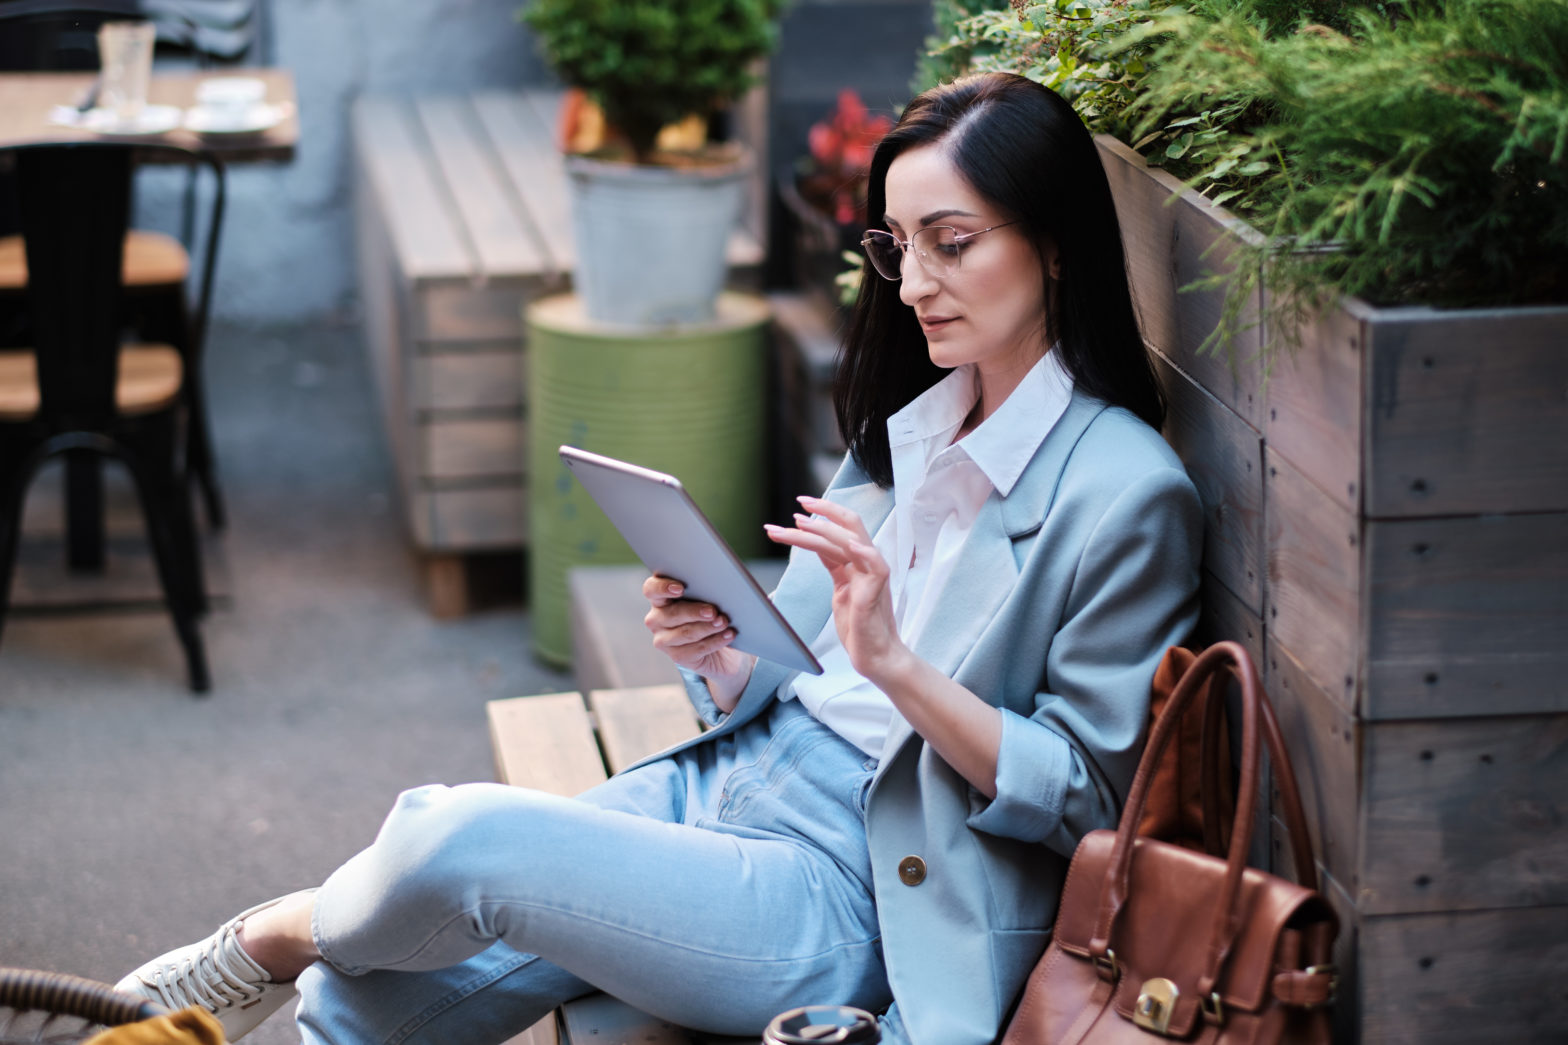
[192, 1026]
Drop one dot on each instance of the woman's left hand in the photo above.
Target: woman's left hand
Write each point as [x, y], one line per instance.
[862, 602]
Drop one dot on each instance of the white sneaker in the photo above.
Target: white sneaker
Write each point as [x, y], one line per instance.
[216, 974]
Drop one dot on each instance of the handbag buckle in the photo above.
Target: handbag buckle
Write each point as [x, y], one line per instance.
[1213, 1008]
[1332, 972]
[1107, 965]
[1156, 1002]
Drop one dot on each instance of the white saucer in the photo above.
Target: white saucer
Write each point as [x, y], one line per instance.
[260, 117]
[153, 119]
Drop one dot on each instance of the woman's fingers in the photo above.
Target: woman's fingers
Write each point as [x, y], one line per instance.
[837, 513]
[661, 590]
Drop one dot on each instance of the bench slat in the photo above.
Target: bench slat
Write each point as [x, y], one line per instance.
[502, 245]
[635, 723]
[599, 1019]
[545, 742]
[424, 236]
[522, 132]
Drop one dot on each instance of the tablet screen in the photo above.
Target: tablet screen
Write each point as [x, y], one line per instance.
[673, 538]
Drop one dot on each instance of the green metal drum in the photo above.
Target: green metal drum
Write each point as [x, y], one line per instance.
[688, 400]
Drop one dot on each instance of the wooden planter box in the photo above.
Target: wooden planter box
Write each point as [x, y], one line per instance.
[1388, 528]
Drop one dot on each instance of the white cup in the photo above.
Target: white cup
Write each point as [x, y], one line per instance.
[125, 55]
[230, 100]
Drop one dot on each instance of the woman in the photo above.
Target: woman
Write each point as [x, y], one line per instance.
[989, 582]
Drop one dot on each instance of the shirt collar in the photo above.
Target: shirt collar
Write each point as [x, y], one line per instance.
[1006, 441]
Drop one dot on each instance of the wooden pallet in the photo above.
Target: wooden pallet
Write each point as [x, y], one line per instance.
[565, 743]
[462, 217]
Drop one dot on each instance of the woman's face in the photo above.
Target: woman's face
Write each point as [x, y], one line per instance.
[991, 312]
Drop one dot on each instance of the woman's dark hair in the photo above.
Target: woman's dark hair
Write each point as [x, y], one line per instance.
[1022, 148]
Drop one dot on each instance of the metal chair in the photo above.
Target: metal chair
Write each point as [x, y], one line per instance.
[80, 393]
[60, 35]
[55, 1008]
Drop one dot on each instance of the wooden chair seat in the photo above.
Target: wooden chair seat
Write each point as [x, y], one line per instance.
[149, 380]
[152, 259]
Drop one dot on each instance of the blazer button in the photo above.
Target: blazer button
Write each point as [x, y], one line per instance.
[912, 870]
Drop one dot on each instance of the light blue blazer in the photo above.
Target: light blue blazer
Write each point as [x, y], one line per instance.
[1087, 571]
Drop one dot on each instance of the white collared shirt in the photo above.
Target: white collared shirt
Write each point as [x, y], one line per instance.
[939, 487]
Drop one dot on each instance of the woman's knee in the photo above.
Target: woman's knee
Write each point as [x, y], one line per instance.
[436, 832]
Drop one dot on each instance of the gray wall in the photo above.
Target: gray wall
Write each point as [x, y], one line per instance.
[288, 249]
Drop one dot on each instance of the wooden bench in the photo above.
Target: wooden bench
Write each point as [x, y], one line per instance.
[462, 217]
[565, 743]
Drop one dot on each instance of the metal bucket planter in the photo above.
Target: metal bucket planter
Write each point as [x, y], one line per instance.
[689, 400]
[651, 240]
[1388, 530]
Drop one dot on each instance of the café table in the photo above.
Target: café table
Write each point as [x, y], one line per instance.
[28, 99]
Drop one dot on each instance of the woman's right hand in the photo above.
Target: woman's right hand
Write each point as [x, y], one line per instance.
[696, 636]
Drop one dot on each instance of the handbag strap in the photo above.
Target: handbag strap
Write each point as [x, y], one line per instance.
[1214, 782]
[1256, 717]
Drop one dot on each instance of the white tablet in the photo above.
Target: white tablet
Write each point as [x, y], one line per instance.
[674, 539]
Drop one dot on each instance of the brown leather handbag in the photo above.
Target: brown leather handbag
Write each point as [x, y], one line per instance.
[1154, 940]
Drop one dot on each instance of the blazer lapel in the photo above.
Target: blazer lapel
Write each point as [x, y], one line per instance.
[805, 592]
[987, 567]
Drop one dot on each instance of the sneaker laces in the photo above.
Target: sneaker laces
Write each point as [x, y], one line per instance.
[217, 976]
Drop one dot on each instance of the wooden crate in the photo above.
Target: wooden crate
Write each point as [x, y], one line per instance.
[1393, 505]
[462, 217]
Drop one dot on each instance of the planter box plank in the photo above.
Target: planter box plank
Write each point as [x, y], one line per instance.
[500, 237]
[489, 379]
[458, 313]
[1314, 397]
[1468, 411]
[1170, 243]
[1314, 595]
[1226, 617]
[1324, 742]
[1465, 814]
[407, 199]
[522, 130]
[1463, 978]
[1499, 784]
[1467, 616]
[475, 447]
[1202, 247]
[464, 519]
[1224, 457]
[1148, 232]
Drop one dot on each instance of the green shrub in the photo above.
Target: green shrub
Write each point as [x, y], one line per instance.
[648, 63]
[1418, 155]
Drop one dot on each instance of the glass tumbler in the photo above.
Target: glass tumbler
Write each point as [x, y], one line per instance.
[125, 54]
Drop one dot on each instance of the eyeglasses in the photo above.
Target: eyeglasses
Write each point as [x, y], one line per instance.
[938, 248]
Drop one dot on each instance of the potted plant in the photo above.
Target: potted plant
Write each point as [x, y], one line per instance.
[825, 193]
[651, 224]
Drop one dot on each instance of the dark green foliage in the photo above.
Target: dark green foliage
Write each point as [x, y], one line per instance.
[649, 63]
[1418, 156]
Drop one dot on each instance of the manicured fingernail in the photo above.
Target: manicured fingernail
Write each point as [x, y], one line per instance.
[719, 622]
[674, 589]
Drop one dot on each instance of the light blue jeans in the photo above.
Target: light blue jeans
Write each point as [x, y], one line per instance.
[714, 889]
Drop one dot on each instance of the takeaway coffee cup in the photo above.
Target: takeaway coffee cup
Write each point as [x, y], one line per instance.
[823, 1025]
